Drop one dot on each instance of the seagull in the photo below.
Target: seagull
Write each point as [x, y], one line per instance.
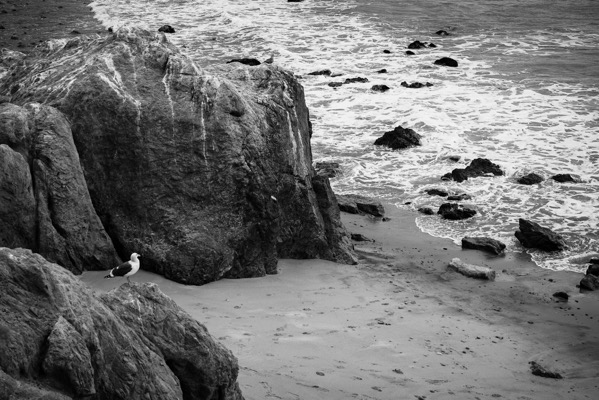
[126, 269]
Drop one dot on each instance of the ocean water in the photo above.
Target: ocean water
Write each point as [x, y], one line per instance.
[525, 95]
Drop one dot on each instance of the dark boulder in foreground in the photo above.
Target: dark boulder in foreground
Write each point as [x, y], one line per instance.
[380, 88]
[252, 62]
[589, 282]
[132, 343]
[206, 174]
[532, 235]
[356, 204]
[166, 29]
[539, 370]
[447, 62]
[478, 167]
[489, 245]
[562, 178]
[530, 179]
[455, 211]
[416, 85]
[399, 138]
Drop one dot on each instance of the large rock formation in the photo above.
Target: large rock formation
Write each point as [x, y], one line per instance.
[44, 201]
[206, 176]
[533, 235]
[132, 343]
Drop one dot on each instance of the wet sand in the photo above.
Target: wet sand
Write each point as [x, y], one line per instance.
[399, 325]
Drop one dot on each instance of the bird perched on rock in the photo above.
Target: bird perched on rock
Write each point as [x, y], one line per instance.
[126, 269]
[270, 60]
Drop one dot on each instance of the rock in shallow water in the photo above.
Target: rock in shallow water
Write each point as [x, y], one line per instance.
[532, 235]
[399, 138]
[455, 211]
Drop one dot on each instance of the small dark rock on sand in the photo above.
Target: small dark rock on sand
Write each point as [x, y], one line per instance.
[561, 295]
[532, 235]
[455, 211]
[166, 29]
[589, 282]
[530, 179]
[483, 243]
[399, 138]
[447, 62]
[380, 88]
[539, 370]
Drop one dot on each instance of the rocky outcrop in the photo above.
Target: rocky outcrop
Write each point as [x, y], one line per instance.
[454, 211]
[533, 235]
[563, 178]
[446, 62]
[489, 245]
[530, 179]
[132, 343]
[471, 270]
[44, 200]
[356, 204]
[207, 176]
[478, 167]
[399, 138]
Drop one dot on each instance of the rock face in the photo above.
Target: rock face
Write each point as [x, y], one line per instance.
[206, 176]
[455, 211]
[477, 167]
[471, 270]
[533, 235]
[399, 138]
[44, 200]
[483, 243]
[132, 343]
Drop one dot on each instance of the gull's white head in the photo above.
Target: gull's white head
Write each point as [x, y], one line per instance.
[134, 256]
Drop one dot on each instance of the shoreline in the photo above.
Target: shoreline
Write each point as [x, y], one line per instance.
[26, 24]
[399, 324]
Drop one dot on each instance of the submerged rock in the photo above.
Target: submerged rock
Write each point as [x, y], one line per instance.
[471, 270]
[455, 211]
[325, 72]
[416, 85]
[483, 243]
[436, 192]
[355, 80]
[133, 343]
[533, 235]
[183, 165]
[166, 29]
[530, 179]
[399, 138]
[446, 61]
[380, 88]
[459, 197]
[442, 32]
[562, 178]
[478, 167]
[417, 44]
[382, 71]
[252, 62]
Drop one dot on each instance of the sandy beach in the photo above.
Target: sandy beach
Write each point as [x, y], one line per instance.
[399, 325]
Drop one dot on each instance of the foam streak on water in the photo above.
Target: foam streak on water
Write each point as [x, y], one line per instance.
[525, 96]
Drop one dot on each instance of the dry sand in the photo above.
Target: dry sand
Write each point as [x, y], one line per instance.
[396, 326]
[399, 325]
